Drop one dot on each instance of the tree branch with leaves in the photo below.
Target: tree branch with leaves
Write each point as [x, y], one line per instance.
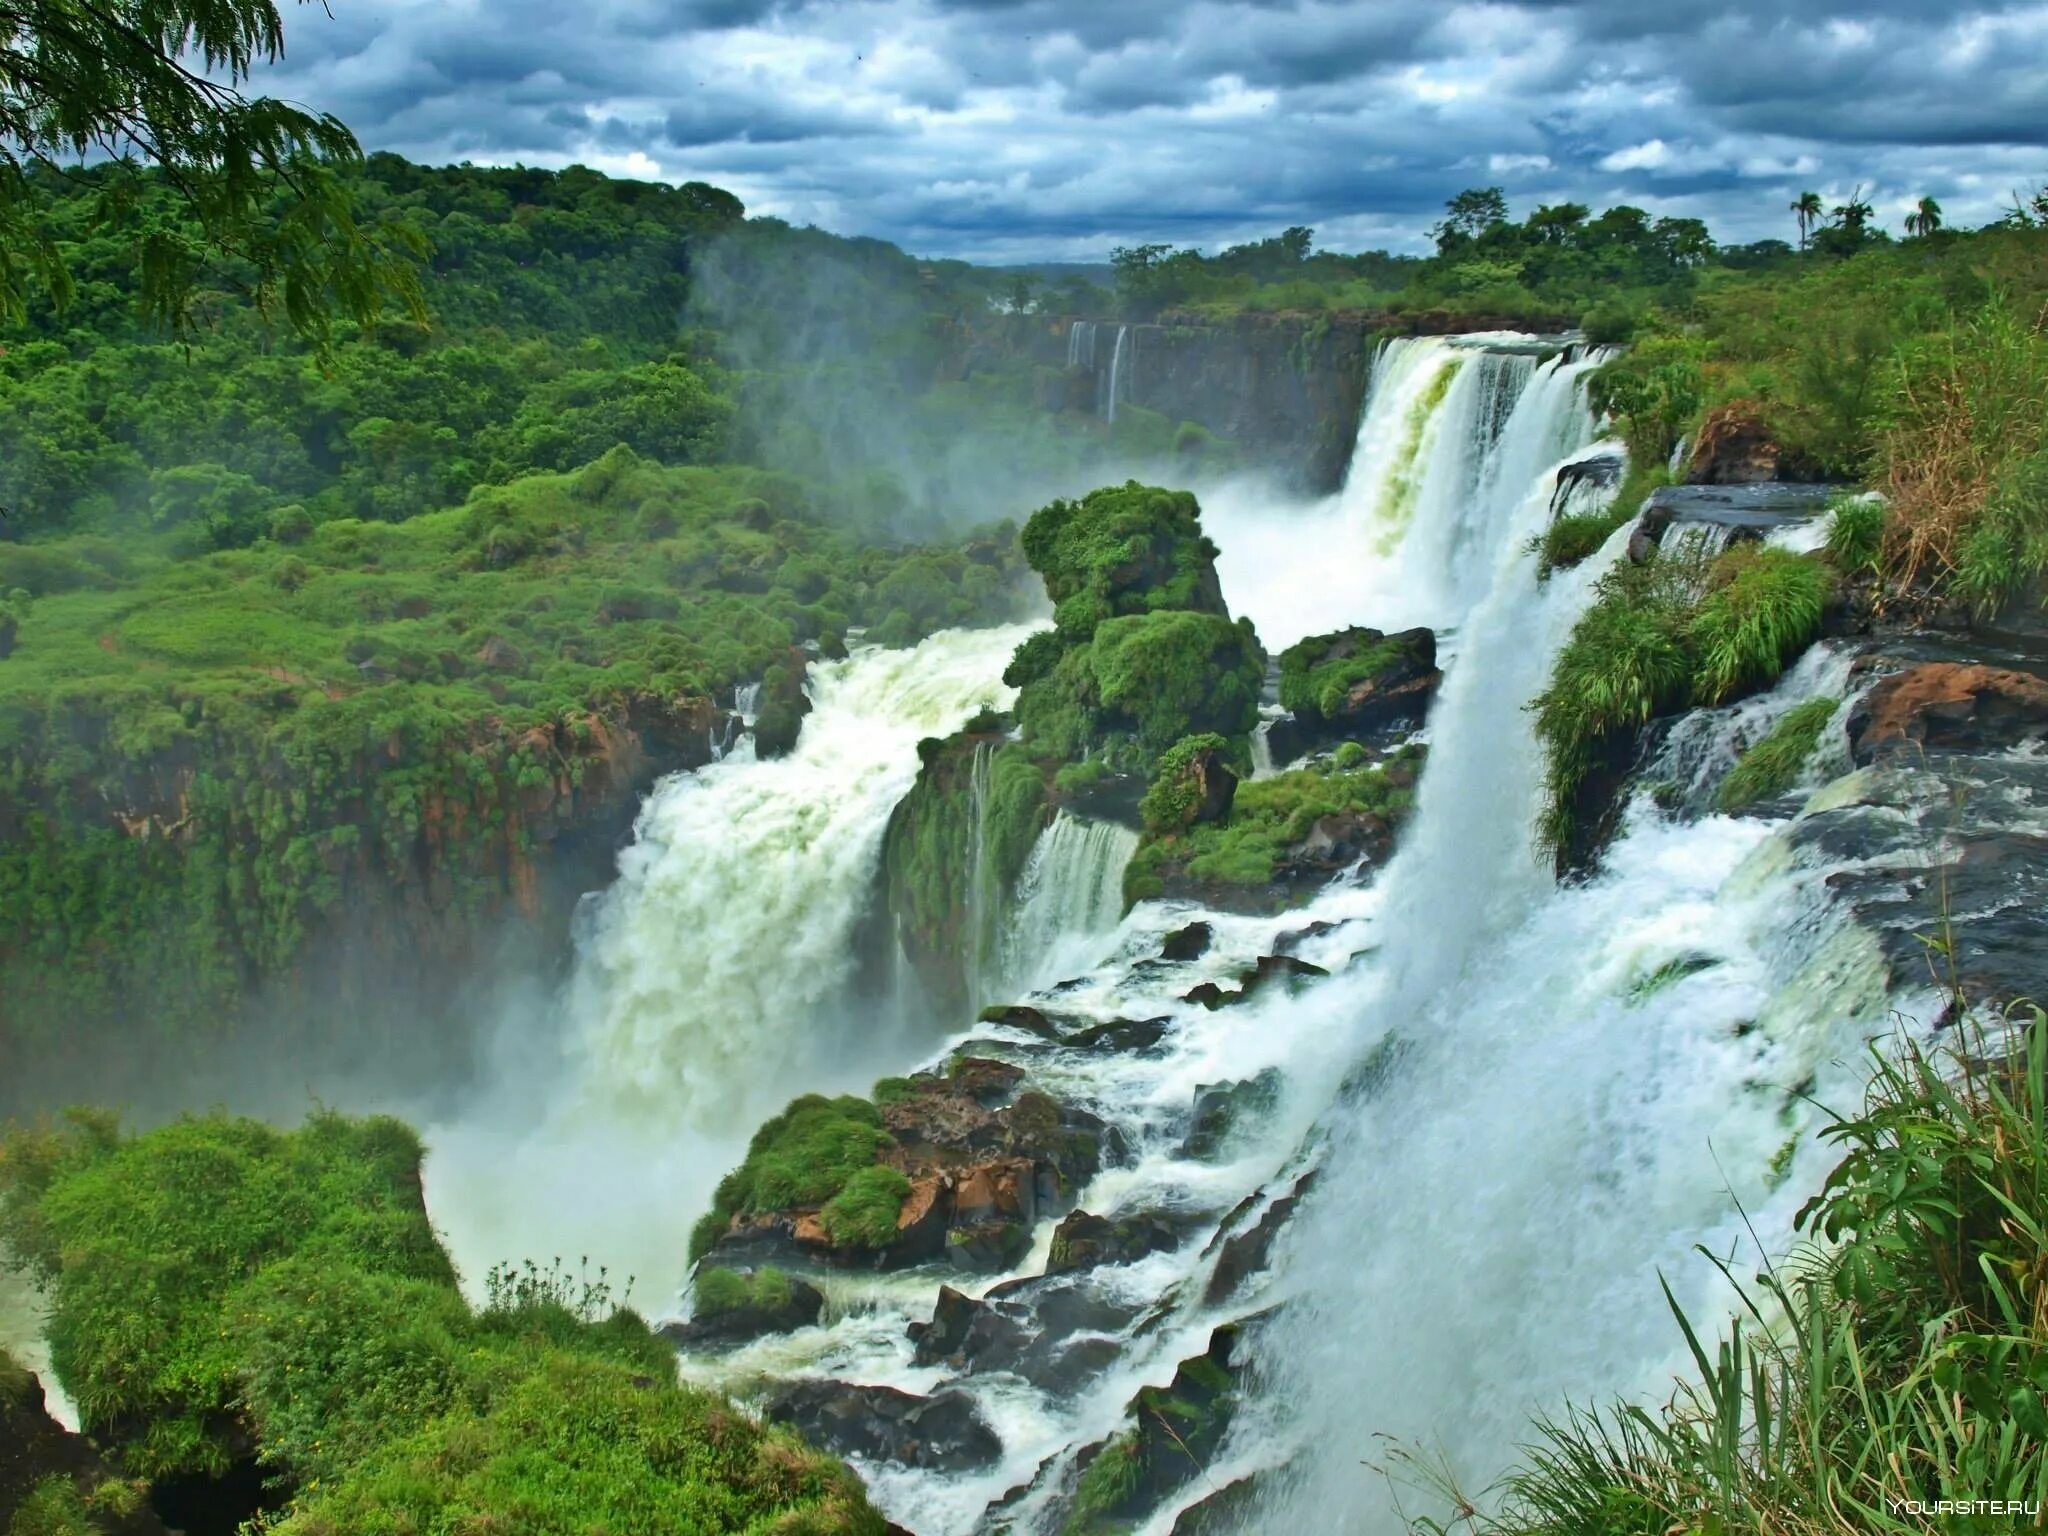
[209, 183]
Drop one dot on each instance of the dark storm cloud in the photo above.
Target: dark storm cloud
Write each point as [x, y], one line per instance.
[1007, 129]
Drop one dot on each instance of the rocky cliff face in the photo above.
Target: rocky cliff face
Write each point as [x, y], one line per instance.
[1285, 388]
[202, 896]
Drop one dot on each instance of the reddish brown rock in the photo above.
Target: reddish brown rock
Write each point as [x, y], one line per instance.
[1948, 706]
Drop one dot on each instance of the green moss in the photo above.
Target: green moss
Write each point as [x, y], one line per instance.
[1173, 799]
[801, 1160]
[1669, 974]
[1268, 818]
[1122, 550]
[863, 1214]
[1771, 766]
[720, 1292]
[1110, 1482]
[1315, 676]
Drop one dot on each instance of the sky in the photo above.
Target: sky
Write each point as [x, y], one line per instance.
[1049, 130]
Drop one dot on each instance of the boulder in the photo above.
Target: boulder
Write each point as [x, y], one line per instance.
[1032, 1021]
[1736, 446]
[1942, 706]
[783, 705]
[941, 1433]
[1188, 943]
[1084, 1240]
[1352, 684]
[1134, 1036]
[1244, 1253]
[1220, 1107]
[738, 1324]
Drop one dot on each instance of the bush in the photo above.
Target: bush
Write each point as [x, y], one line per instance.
[863, 1214]
[1762, 608]
[281, 1294]
[1173, 799]
[1771, 766]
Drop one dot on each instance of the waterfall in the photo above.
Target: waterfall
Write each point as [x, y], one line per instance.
[1068, 901]
[1524, 1103]
[1081, 345]
[1451, 438]
[1117, 366]
[711, 981]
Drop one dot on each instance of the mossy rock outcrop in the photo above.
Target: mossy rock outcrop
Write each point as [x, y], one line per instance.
[952, 854]
[1353, 685]
[956, 1167]
[1281, 839]
[1142, 651]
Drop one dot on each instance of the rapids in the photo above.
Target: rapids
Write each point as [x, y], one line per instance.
[1524, 1102]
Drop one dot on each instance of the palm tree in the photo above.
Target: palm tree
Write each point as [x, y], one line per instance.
[1925, 219]
[1806, 208]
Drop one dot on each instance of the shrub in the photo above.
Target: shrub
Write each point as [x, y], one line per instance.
[863, 1214]
[1574, 539]
[1856, 536]
[1772, 765]
[1172, 800]
[1762, 608]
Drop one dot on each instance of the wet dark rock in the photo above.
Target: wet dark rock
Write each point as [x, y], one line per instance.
[1282, 971]
[738, 1325]
[1294, 938]
[1230, 1511]
[1598, 471]
[941, 1433]
[1172, 1434]
[1221, 1107]
[1210, 995]
[1123, 1035]
[1031, 1021]
[966, 1334]
[1746, 511]
[991, 1084]
[35, 1447]
[1245, 1253]
[1084, 1240]
[1188, 943]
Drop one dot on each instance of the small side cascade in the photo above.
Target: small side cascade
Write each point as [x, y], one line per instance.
[1121, 359]
[1068, 902]
[1081, 345]
[984, 904]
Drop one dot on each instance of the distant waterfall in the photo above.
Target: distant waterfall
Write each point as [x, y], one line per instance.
[1081, 345]
[1120, 362]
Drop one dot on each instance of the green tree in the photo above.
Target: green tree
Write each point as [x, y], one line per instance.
[250, 186]
[1925, 219]
[1807, 209]
[1469, 215]
[1854, 215]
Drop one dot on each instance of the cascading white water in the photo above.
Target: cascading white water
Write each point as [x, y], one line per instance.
[709, 979]
[1081, 345]
[1117, 365]
[1451, 438]
[1571, 1080]
[1068, 900]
